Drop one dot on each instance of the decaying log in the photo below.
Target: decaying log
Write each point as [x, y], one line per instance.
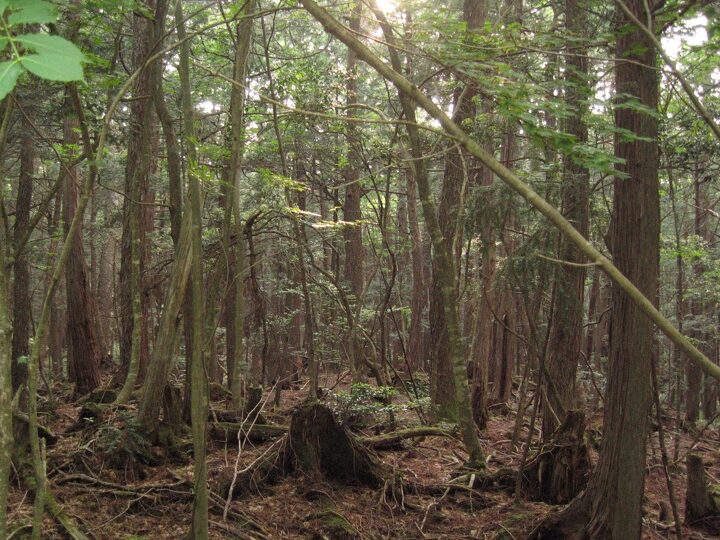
[227, 432]
[394, 440]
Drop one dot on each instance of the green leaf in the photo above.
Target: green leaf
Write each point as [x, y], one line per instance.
[53, 67]
[3, 6]
[22, 360]
[32, 12]
[47, 44]
[9, 72]
[3, 43]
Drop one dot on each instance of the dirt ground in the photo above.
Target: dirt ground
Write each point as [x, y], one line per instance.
[111, 497]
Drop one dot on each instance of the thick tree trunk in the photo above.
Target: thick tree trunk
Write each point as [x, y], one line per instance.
[611, 506]
[701, 505]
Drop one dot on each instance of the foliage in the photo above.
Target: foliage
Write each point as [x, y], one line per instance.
[47, 56]
[366, 403]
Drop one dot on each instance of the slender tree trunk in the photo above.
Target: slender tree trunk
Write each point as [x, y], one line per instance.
[352, 213]
[198, 387]
[58, 326]
[22, 307]
[138, 164]
[6, 359]
[416, 347]
[443, 262]
[84, 353]
[237, 367]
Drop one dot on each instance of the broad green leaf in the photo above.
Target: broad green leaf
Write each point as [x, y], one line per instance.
[22, 360]
[55, 45]
[53, 67]
[9, 72]
[3, 43]
[3, 6]
[32, 12]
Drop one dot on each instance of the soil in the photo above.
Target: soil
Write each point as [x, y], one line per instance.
[112, 497]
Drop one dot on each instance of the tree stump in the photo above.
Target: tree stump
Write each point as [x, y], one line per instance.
[561, 469]
[700, 503]
[318, 447]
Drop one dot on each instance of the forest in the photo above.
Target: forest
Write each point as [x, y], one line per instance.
[367, 269]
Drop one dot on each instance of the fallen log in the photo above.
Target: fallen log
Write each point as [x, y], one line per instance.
[394, 439]
[227, 432]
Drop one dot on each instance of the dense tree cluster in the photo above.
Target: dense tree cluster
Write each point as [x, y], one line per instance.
[511, 202]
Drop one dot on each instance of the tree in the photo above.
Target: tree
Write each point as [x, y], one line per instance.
[611, 506]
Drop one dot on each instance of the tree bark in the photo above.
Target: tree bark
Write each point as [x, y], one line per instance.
[352, 213]
[84, 353]
[450, 210]
[563, 350]
[22, 307]
[141, 126]
[611, 506]
[198, 373]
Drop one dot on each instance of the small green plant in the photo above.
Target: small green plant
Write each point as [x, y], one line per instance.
[364, 403]
[122, 443]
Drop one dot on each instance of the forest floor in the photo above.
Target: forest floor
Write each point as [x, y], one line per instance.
[111, 495]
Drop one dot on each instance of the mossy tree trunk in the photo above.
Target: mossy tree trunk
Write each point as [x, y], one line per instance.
[198, 374]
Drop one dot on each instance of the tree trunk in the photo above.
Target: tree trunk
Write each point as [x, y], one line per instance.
[352, 213]
[22, 306]
[443, 262]
[700, 503]
[449, 211]
[141, 126]
[563, 351]
[84, 353]
[611, 506]
[416, 346]
[198, 387]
